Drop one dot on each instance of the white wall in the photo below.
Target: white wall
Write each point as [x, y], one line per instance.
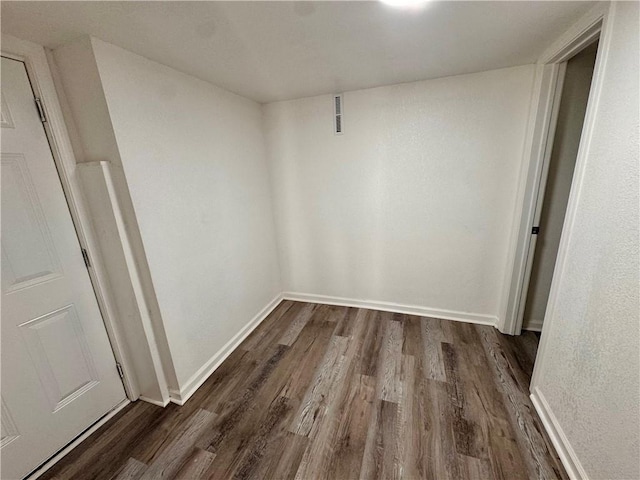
[588, 364]
[195, 190]
[573, 104]
[413, 204]
[194, 159]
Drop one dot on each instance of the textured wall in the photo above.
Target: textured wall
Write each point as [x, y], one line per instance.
[589, 370]
[90, 127]
[575, 93]
[413, 204]
[195, 164]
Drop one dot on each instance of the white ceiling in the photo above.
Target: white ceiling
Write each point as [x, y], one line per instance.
[281, 50]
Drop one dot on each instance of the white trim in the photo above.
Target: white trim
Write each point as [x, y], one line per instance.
[78, 440]
[41, 77]
[198, 378]
[604, 46]
[533, 325]
[478, 318]
[134, 276]
[152, 401]
[541, 132]
[533, 158]
[565, 451]
[533, 211]
[577, 37]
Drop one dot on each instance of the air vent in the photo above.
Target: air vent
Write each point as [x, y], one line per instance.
[338, 125]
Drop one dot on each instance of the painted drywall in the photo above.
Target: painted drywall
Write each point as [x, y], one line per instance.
[573, 105]
[195, 164]
[413, 203]
[588, 363]
[87, 119]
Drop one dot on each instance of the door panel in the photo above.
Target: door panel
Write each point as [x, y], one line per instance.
[7, 426]
[65, 373]
[58, 369]
[28, 253]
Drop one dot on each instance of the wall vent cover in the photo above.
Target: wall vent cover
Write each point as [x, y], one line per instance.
[338, 107]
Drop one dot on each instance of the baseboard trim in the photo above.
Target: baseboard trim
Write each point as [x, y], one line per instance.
[567, 455]
[154, 402]
[533, 325]
[78, 440]
[477, 318]
[180, 397]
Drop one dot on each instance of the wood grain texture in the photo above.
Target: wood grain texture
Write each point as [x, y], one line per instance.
[132, 470]
[327, 392]
[195, 465]
[172, 457]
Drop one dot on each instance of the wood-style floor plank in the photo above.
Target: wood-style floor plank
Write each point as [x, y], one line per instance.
[389, 374]
[324, 435]
[433, 337]
[330, 392]
[132, 470]
[352, 429]
[534, 443]
[195, 465]
[173, 456]
[380, 451]
[314, 404]
[298, 324]
[407, 431]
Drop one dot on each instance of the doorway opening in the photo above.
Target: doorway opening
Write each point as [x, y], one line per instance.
[588, 36]
[555, 182]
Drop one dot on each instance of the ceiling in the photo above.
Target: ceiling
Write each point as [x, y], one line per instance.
[271, 51]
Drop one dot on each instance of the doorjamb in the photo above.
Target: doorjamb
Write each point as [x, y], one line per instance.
[545, 104]
[39, 73]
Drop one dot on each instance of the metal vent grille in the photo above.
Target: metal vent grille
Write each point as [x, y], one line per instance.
[337, 115]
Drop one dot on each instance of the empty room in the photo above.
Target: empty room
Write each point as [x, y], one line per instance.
[384, 239]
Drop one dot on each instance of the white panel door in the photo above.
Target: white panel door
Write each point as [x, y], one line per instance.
[58, 369]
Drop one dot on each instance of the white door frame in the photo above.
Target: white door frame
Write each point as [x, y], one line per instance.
[39, 73]
[542, 124]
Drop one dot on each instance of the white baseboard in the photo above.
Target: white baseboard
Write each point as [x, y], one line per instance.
[180, 397]
[480, 319]
[154, 402]
[533, 325]
[567, 455]
[78, 440]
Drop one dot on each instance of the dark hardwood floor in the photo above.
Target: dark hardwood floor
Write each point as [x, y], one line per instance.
[320, 391]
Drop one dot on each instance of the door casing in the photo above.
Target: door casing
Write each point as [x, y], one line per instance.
[545, 104]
